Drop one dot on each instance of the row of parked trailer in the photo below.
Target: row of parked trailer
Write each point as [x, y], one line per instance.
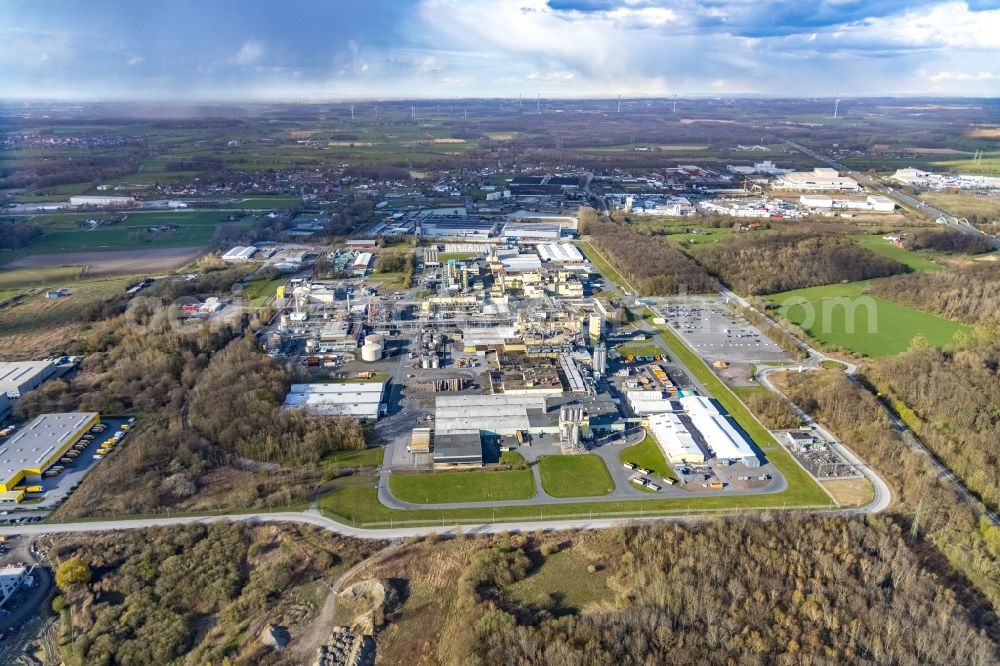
[641, 477]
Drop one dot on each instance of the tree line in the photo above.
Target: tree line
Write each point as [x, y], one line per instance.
[970, 294]
[951, 398]
[931, 511]
[650, 265]
[766, 264]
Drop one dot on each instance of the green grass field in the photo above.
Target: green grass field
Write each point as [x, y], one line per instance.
[575, 476]
[457, 256]
[640, 350]
[471, 486]
[564, 574]
[844, 316]
[259, 290]
[647, 454]
[343, 460]
[914, 261]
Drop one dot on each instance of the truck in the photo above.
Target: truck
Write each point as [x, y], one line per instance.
[715, 485]
[628, 465]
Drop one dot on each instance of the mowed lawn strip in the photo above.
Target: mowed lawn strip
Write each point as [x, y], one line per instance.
[470, 486]
[575, 476]
[604, 267]
[355, 502]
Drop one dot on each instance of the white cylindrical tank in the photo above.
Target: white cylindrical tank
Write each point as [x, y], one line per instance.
[425, 362]
[435, 362]
[371, 351]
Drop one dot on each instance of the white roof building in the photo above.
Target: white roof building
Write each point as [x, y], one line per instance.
[723, 439]
[358, 399]
[675, 440]
[559, 252]
[644, 403]
[820, 178]
[698, 404]
[239, 254]
[501, 414]
[544, 230]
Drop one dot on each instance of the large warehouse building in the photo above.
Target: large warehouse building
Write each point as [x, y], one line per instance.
[560, 252]
[460, 419]
[19, 377]
[456, 227]
[532, 230]
[675, 439]
[37, 446]
[359, 399]
[696, 430]
[819, 179]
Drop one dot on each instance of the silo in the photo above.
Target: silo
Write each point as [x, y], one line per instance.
[371, 352]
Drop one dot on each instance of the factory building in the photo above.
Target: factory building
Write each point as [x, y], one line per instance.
[675, 439]
[36, 447]
[460, 227]
[819, 179]
[559, 252]
[361, 262]
[458, 448]
[505, 415]
[532, 230]
[340, 336]
[19, 377]
[359, 399]
[239, 254]
[116, 202]
[644, 403]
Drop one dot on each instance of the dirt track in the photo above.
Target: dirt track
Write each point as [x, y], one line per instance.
[114, 262]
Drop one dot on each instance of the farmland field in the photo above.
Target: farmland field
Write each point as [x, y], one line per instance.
[63, 233]
[844, 316]
[964, 204]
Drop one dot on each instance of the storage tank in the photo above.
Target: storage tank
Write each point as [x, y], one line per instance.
[425, 362]
[371, 351]
[435, 362]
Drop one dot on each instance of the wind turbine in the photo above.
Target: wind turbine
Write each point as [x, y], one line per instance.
[836, 106]
[619, 103]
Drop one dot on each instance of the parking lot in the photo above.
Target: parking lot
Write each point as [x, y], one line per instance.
[718, 333]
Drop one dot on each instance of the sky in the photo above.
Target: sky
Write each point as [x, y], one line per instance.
[361, 49]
